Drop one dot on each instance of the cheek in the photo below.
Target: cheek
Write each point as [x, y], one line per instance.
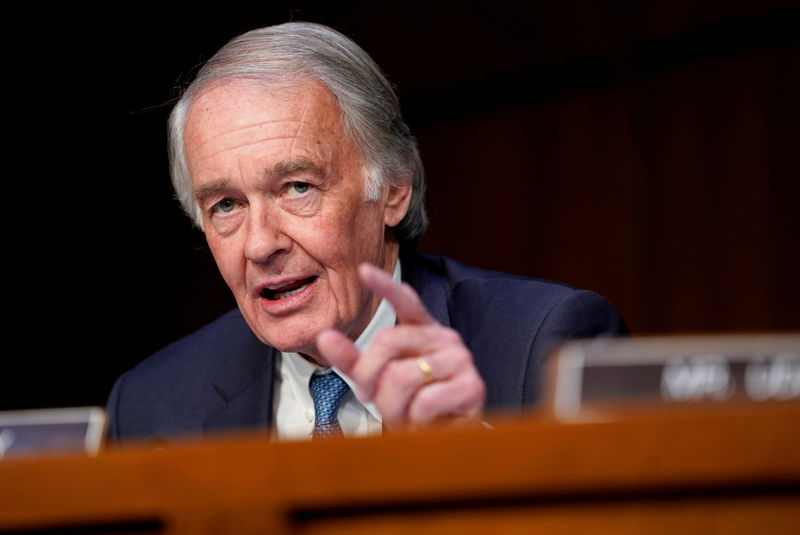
[336, 232]
[327, 230]
[228, 261]
[368, 230]
[361, 241]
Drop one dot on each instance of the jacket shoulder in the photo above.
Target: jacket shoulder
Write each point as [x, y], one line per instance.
[172, 391]
[510, 322]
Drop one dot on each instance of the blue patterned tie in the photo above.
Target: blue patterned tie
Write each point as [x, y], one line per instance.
[327, 391]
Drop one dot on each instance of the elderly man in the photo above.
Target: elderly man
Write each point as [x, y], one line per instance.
[290, 153]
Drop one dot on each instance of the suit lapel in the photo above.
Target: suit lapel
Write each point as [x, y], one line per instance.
[245, 382]
[431, 287]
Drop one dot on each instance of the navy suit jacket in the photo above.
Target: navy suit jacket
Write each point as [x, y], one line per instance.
[221, 377]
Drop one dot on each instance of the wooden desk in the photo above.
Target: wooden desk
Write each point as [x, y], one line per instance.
[712, 470]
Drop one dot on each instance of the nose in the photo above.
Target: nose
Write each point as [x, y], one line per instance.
[265, 235]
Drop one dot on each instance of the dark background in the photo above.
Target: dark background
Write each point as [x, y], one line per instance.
[647, 151]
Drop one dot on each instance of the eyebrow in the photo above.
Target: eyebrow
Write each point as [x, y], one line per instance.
[278, 170]
[290, 167]
[210, 189]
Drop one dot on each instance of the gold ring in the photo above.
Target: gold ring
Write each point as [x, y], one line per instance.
[426, 369]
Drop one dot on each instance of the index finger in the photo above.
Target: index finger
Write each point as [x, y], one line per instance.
[403, 298]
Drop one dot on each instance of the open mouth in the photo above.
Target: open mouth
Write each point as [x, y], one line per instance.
[282, 291]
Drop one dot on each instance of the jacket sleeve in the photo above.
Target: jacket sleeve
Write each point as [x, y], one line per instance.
[579, 314]
[112, 410]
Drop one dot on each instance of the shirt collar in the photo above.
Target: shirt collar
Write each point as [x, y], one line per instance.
[384, 317]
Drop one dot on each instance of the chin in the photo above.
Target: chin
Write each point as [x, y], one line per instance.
[291, 333]
[292, 345]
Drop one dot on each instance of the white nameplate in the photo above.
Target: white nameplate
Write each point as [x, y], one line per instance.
[41, 431]
[603, 373]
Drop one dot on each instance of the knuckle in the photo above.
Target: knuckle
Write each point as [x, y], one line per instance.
[479, 389]
[385, 338]
[473, 385]
[390, 413]
[459, 360]
[399, 372]
[453, 339]
[410, 292]
[424, 404]
[462, 358]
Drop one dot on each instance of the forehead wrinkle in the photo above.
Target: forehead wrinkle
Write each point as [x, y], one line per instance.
[299, 128]
[256, 142]
[209, 139]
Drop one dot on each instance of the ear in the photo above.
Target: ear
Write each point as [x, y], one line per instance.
[397, 201]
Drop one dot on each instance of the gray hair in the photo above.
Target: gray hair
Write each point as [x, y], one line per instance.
[278, 56]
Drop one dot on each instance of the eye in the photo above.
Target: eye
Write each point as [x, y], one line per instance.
[301, 198]
[300, 187]
[225, 206]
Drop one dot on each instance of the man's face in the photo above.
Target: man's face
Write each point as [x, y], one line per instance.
[281, 191]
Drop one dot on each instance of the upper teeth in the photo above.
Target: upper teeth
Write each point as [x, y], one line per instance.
[281, 285]
[281, 295]
[286, 289]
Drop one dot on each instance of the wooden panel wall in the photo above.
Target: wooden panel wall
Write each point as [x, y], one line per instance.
[647, 151]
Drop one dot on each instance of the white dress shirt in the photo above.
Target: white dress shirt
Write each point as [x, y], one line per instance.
[293, 407]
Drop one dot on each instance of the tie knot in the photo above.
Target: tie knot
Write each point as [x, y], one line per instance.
[327, 390]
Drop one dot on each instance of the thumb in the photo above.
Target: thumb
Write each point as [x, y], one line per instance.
[337, 350]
